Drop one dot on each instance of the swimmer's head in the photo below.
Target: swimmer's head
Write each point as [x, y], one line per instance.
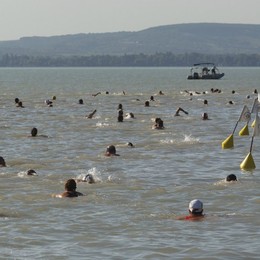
[147, 103]
[196, 207]
[2, 162]
[130, 115]
[16, 100]
[80, 101]
[88, 178]
[130, 144]
[231, 177]
[205, 116]
[31, 172]
[111, 149]
[34, 132]
[70, 185]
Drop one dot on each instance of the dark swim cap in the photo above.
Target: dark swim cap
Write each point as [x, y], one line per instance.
[111, 149]
[231, 177]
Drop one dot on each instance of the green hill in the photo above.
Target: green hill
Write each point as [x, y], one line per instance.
[207, 38]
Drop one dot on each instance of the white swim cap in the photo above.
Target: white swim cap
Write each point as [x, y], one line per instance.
[196, 206]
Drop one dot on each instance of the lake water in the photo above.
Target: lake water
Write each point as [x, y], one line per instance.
[130, 212]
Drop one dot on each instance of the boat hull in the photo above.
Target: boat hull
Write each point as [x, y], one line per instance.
[208, 76]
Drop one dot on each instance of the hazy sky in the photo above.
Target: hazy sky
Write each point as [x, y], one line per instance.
[58, 17]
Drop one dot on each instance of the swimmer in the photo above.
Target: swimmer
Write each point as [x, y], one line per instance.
[231, 177]
[230, 102]
[34, 132]
[16, 100]
[177, 113]
[152, 98]
[70, 190]
[205, 102]
[81, 101]
[31, 172]
[91, 114]
[111, 151]
[161, 93]
[129, 144]
[158, 124]
[94, 95]
[120, 117]
[2, 162]
[48, 103]
[87, 178]
[205, 116]
[147, 103]
[195, 211]
[20, 104]
[129, 115]
[120, 106]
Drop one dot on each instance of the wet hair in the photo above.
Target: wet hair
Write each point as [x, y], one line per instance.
[16, 100]
[160, 124]
[80, 101]
[157, 119]
[70, 185]
[147, 103]
[152, 98]
[120, 106]
[34, 132]
[231, 177]
[205, 102]
[111, 149]
[2, 162]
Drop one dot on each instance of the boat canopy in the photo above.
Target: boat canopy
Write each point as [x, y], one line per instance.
[203, 64]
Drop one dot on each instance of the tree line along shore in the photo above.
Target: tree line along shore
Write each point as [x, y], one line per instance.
[167, 59]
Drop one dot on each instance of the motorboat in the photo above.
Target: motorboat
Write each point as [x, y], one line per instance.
[205, 71]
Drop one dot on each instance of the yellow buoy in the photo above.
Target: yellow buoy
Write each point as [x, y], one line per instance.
[253, 124]
[248, 163]
[244, 130]
[228, 143]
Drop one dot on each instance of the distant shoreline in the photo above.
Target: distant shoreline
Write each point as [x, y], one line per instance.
[131, 60]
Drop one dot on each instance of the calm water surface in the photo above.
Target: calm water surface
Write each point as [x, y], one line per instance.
[130, 213]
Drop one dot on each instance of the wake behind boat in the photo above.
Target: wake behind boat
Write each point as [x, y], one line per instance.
[205, 71]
